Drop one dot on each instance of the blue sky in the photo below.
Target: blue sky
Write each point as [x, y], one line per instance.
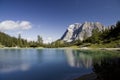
[50, 18]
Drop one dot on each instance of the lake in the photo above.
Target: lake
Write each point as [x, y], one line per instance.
[54, 64]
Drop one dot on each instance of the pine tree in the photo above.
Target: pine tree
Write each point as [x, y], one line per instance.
[19, 41]
[40, 40]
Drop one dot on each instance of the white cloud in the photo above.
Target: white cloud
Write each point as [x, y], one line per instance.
[15, 25]
[19, 32]
[48, 40]
[31, 39]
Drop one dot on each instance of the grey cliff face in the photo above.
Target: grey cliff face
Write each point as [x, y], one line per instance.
[79, 31]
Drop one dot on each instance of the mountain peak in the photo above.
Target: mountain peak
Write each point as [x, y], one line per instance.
[78, 31]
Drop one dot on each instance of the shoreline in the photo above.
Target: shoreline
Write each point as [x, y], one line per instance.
[100, 48]
[83, 48]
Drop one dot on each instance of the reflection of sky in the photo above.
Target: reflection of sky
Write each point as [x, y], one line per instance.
[12, 60]
[78, 59]
[11, 68]
[16, 60]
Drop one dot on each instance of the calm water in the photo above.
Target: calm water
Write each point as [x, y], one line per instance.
[49, 64]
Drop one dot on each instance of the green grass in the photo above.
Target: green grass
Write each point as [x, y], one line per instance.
[112, 44]
[74, 47]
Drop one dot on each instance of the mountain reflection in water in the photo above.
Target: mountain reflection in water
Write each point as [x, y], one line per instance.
[78, 59]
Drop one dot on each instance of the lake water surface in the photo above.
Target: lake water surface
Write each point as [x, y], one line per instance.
[49, 64]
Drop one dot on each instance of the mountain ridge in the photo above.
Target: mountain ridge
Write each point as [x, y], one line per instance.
[78, 31]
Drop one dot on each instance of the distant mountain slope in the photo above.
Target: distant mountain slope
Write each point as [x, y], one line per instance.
[81, 31]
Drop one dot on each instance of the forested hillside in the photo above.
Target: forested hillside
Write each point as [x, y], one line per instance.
[106, 38]
[8, 41]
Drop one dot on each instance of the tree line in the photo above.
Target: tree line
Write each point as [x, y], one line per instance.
[8, 41]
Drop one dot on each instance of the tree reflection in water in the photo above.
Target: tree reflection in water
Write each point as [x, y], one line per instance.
[105, 64]
[108, 69]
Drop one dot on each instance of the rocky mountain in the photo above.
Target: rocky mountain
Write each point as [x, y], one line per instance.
[80, 31]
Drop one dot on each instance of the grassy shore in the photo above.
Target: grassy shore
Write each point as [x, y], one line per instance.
[88, 48]
[73, 47]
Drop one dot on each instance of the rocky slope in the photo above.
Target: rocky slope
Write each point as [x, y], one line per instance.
[79, 31]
